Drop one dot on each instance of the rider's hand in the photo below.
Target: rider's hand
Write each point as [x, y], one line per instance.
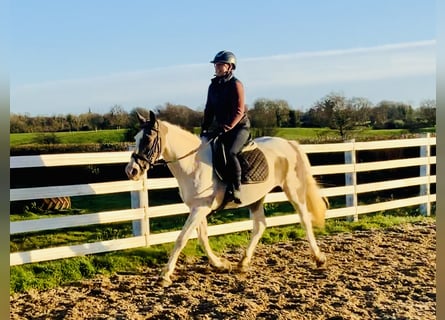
[204, 133]
[219, 132]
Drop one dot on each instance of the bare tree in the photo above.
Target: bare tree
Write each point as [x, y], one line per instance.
[362, 108]
[117, 117]
[427, 112]
[342, 114]
[180, 115]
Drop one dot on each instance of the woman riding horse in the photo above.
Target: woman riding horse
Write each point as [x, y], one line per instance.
[190, 162]
[225, 105]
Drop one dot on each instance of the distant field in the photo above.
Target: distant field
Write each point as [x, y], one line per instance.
[99, 136]
[312, 133]
[118, 135]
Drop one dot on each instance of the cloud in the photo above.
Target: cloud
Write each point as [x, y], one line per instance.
[383, 62]
[281, 74]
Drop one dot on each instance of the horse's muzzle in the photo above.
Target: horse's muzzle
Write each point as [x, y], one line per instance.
[133, 171]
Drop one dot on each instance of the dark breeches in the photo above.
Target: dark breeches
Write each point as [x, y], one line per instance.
[234, 141]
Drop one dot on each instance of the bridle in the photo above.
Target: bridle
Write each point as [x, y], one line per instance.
[149, 156]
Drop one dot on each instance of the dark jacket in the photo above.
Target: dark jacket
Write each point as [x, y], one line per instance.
[225, 104]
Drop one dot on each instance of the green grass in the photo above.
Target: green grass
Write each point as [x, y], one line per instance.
[326, 133]
[303, 133]
[102, 202]
[69, 236]
[100, 136]
[118, 135]
[45, 275]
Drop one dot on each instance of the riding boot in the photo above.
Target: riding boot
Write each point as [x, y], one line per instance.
[236, 181]
[235, 176]
[237, 192]
[237, 195]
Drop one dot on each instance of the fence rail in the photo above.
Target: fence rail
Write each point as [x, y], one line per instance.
[141, 212]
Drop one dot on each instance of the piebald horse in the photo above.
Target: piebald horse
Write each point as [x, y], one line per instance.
[189, 159]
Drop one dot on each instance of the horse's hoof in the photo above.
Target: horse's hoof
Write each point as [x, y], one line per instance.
[242, 268]
[243, 265]
[225, 266]
[321, 260]
[164, 281]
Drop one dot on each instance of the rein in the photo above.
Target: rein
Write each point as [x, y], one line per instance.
[157, 147]
[187, 154]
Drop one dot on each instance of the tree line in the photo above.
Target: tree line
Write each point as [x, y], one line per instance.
[333, 111]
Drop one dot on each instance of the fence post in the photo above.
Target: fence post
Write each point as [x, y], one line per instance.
[351, 180]
[137, 224]
[139, 199]
[425, 151]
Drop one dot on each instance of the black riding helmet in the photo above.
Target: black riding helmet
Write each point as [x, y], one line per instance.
[225, 57]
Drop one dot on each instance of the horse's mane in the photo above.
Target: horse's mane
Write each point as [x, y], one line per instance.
[185, 134]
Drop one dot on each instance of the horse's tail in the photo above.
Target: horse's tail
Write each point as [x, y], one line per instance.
[316, 203]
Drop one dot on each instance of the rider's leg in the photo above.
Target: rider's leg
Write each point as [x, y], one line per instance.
[239, 140]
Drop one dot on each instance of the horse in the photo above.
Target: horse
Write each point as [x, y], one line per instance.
[189, 158]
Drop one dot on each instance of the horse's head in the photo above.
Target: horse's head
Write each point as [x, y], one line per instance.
[148, 147]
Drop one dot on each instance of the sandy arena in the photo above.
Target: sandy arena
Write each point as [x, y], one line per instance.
[379, 274]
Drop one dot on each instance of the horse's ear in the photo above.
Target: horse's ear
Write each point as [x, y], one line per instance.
[141, 119]
[152, 116]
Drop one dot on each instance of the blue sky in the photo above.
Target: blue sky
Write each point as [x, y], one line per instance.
[74, 56]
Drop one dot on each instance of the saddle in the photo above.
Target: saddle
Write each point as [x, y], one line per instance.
[254, 167]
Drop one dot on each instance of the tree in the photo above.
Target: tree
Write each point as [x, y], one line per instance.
[260, 116]
[281, 110]
[337, 112]
[333, 111]
[267, 115]
[342, 114]
[180, 115]
[362, 108]
[70, 120]
[117, 117]
[294, 118]
[92, 121]
[320, 115]
[17, 123]
[379, 115]
[427, 112]
[391, 115]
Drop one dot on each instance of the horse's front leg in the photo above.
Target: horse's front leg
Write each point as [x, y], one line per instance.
[196, 215]
[218, 262]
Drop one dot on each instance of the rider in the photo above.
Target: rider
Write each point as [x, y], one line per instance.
[225, 105]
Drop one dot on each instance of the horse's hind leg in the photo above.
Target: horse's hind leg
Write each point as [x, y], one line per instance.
[217, 262]
[259, 225]
[306, 221]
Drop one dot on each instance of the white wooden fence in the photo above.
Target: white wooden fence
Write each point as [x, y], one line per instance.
[141, 212]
